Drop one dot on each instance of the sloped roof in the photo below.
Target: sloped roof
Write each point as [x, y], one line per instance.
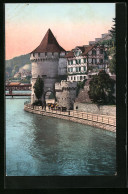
[48, 44]
[87, 49]
[14, 83]
[84, 50]
[81, 48]
[70, 54]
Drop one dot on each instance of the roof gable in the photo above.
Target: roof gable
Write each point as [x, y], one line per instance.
[48, 44]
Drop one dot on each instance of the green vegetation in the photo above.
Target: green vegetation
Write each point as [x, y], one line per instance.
[102, 89]
[38, 87]
[110, 54]
[80, 85]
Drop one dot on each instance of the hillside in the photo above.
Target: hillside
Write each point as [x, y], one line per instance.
[13, 65]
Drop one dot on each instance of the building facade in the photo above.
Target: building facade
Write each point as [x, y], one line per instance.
[85, 61]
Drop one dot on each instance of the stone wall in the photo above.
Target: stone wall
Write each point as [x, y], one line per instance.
[46, 66]
[62, 68]
[78, 120]
[66, 93]
[92, 108]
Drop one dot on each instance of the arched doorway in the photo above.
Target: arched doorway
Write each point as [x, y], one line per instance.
[49, 97]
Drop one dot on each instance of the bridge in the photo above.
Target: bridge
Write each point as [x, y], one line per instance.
[17, 87]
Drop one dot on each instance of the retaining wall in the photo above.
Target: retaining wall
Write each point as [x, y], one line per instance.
[93, 108]
[70, 118]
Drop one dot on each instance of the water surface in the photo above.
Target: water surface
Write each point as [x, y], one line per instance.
[40, 146]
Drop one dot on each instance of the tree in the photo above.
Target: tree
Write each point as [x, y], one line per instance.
[101, 89]
[113, 32]
[38, 87]
[112, 50]
[80, 85]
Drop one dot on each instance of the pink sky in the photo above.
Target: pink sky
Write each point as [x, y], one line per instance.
[72, 25]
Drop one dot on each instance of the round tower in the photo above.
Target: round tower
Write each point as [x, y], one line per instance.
[45, 62]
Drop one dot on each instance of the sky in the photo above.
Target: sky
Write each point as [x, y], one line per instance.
[73, 24]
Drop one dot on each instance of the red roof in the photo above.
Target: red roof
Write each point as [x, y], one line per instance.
[14, 83]
[48, 44]
[84, 50]
[87, 49]
[70, 54]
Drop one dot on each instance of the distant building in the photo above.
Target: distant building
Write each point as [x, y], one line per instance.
[106, 36]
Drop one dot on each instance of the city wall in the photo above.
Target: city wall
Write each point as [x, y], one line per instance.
[93, 108]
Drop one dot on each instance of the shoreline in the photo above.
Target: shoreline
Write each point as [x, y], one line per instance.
[71, 116]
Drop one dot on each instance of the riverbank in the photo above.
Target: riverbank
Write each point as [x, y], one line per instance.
[95, 120]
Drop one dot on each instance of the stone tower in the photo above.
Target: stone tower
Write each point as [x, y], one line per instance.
[45, 63]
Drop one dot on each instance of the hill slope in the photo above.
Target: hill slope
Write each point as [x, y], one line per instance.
[13, 65]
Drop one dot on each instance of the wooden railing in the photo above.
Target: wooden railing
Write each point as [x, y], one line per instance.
[109, 120]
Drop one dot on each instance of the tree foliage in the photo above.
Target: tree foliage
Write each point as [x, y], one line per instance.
[113, 31]
[112, 50]
[80, 85]
[101, 89]
[38, 87]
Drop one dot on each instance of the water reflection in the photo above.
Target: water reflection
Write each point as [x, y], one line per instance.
[41, 146]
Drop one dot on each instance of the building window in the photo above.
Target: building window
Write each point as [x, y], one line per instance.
[71, 62]
[71, 69]
[79, 68]
[38, 54]
[80, 77]
[45, 54]
[101, 60]
[84, 68]
[93, 61]
[79, 61]
[68, 69]
[71, 78]
[101, 51]
[76, 62]
[84, 60]
[93, 52]
[33, 54]
[74, 78]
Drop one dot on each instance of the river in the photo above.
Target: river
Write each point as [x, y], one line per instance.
[40, 146]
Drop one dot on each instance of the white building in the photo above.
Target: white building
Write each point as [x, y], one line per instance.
[85, 61]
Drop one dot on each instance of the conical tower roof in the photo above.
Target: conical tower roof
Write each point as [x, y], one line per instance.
[48, 44]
